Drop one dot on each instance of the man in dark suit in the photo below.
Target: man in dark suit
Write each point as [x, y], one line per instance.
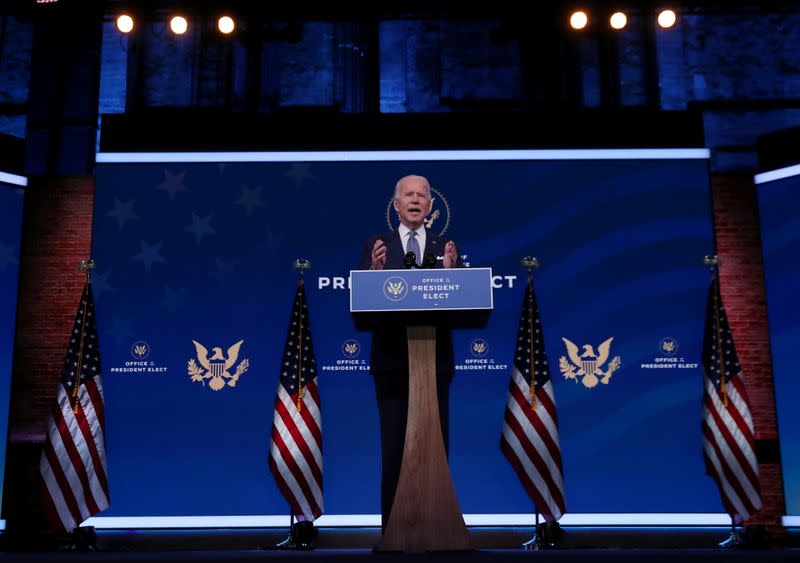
[389, 358]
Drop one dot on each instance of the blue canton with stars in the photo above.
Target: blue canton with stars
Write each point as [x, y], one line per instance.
[83, 341]
[718, 333]
[298, 354]
[522, 356]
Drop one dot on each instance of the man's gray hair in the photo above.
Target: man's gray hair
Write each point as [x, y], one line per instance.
[410, 176]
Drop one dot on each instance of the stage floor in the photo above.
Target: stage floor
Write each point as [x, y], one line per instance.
[600, 544]
[479, 556]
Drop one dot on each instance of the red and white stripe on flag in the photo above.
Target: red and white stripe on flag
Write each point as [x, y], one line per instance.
[729, 448]
[296, 452]
[530, 443]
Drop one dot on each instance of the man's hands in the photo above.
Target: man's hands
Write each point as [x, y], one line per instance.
[450, 255]
[449, 260]
[378, 255]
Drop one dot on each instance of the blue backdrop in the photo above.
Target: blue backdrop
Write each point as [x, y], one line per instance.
[11, 200]
[203, 251]
[780, 236]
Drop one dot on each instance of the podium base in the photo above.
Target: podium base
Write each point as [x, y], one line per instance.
[425, 514]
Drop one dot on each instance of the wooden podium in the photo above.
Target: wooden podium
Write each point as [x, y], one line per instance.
[425, 513]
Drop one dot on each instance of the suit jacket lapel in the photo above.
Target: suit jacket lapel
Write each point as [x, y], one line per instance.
[394, 251]
[433, 244]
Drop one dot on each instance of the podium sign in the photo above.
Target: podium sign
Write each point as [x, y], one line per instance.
[453, 289]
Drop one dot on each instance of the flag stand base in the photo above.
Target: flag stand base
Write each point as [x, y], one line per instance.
[735, 540]
[302, 537]
[286, 544]
[83, 539]
[534, 543]
[546, 536]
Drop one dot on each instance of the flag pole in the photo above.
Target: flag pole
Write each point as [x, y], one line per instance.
[734, 540]
[531, 263]
[301, 265]
[82, 538]
[302, 535]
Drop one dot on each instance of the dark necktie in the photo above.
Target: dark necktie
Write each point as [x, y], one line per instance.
[413, 246]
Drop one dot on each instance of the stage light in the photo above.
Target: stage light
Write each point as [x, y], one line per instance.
[178, 25]
[667, 18]
[618, 20]
[578, 20]
[125, 23]
[226, 25]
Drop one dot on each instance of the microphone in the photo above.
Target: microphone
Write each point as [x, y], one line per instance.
[410, 260]
[429, 260]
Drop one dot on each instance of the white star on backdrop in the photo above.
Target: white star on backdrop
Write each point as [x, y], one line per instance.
[122, 212]
[250, 199]
[149, 254]
[173, 183]
[200, 227]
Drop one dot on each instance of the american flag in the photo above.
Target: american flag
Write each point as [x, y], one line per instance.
[296, 447]
[728, 433]
[73, 462]
[530, 429]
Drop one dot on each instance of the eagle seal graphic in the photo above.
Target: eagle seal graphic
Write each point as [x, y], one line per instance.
[215, 368]
[395, 288]
[587, 364]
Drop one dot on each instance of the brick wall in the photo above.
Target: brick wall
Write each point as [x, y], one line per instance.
[743, 293]
[56, 235]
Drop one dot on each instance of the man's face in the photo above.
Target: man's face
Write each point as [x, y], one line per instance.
[412, 201]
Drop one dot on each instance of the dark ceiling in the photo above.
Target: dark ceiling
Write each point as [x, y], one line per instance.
[313, 10]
